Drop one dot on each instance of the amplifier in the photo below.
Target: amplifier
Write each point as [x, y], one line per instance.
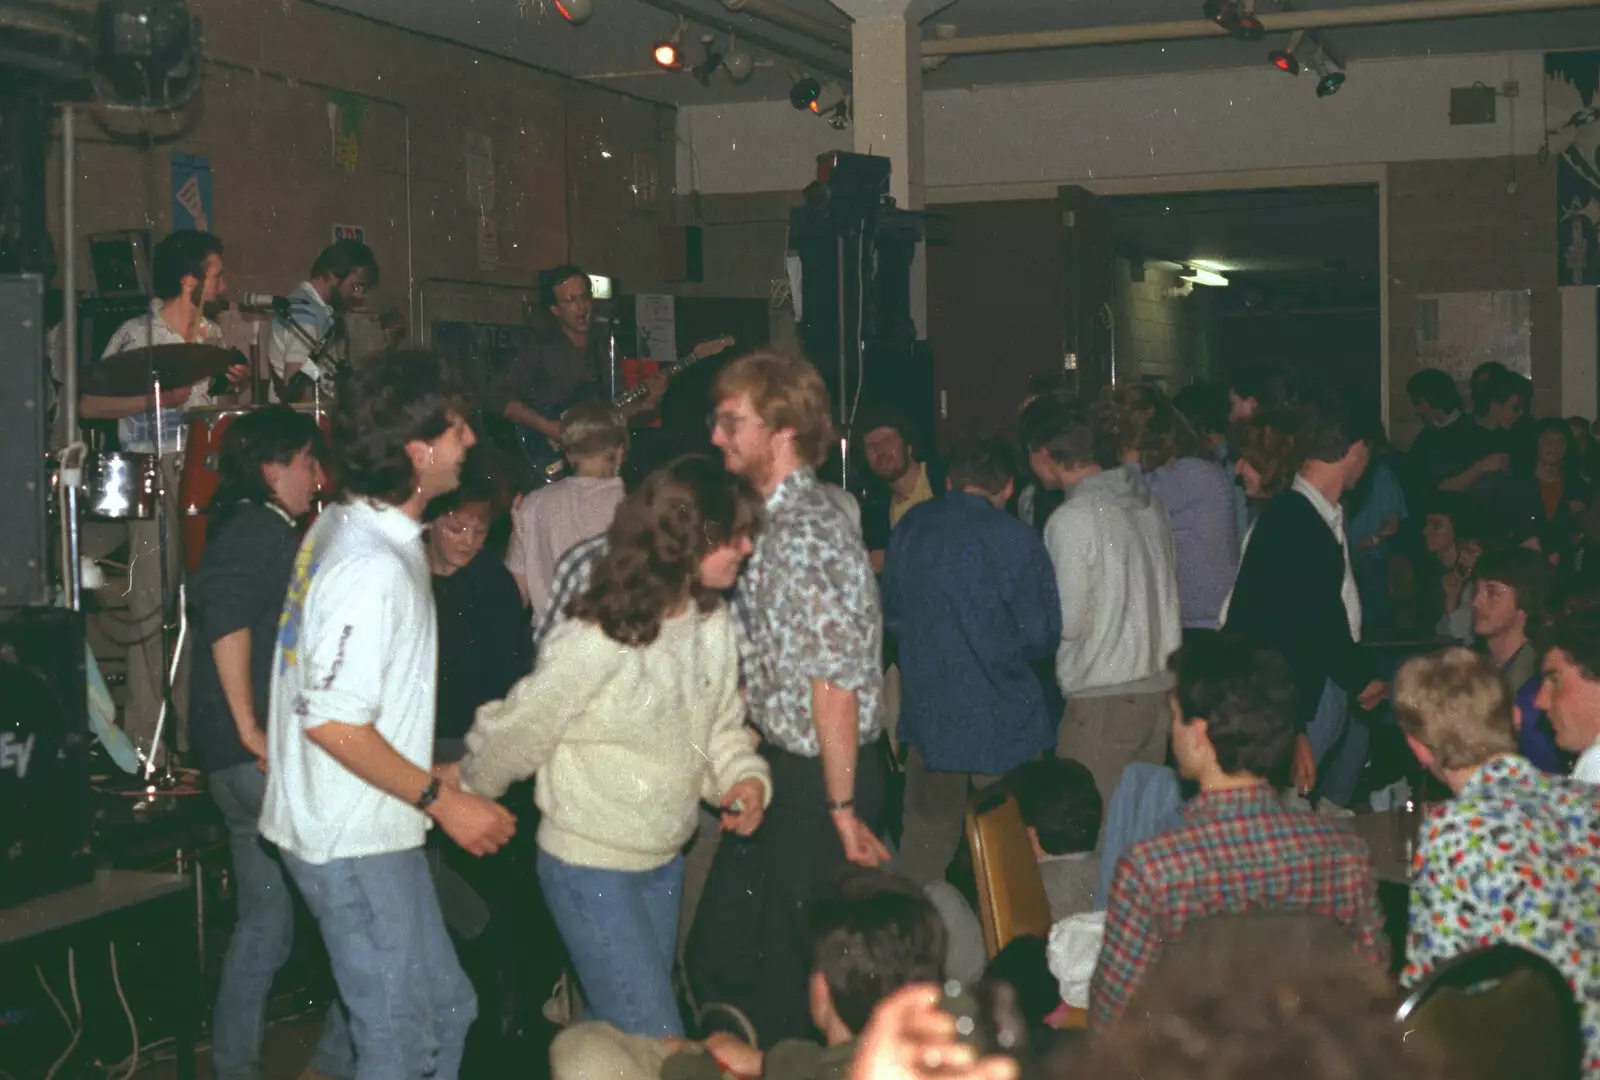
[24, 560]
[44, 754]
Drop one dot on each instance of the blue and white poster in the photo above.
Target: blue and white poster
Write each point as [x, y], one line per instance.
[1572, 131]
[191, 192]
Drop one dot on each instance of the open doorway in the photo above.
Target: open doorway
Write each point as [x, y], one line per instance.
[1205, 281]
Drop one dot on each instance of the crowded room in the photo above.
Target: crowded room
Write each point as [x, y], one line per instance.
[800, 540]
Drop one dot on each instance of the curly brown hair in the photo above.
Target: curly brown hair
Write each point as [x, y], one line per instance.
[1270, 442]
[682, 512]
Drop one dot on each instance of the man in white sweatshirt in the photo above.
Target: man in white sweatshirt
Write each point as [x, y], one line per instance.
[1111, 545]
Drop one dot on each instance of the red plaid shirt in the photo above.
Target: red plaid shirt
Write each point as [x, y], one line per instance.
[1237, 851]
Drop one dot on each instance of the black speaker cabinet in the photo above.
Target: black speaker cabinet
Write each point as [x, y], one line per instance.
[24, 562]
[44, 754]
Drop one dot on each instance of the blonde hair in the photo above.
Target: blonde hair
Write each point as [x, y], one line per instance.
[592, 428]
[1457, 704]
[786, 392]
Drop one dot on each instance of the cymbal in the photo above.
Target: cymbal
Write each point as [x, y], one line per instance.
[127, 374]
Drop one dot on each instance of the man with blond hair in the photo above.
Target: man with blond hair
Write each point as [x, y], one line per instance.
[808, 605]
[1512, 858]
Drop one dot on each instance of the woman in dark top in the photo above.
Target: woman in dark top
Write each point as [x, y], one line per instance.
[484, 643]
[269, 473]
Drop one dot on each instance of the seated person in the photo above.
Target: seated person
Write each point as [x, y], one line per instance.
[1523, 840]
[1452, 534]
[483, 632]
[1061, 808]
[551, 519]
[1508, 604]
[875, 935]
[1239, 849]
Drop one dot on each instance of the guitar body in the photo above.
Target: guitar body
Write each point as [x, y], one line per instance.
[545, 460]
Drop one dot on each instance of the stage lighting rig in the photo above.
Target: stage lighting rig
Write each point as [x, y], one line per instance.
[1285, 59]
[805, 92]
[149, 53]
[1330, 75]
[576, 12]
[666, 52]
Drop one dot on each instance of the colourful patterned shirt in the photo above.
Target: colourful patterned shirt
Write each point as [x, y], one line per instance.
[1514, 858]
[1237, 851]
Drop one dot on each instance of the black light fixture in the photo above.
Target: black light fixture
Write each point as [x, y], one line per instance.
[576, 12]
[1284, 59]
[1330, 80]
[805, 92]
[149, 52]
[666, 53]
[1225, 13]
[703, 71]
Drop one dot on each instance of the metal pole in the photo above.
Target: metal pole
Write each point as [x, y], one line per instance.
[69, 270]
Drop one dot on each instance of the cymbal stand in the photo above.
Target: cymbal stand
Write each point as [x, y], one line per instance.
[169, 670]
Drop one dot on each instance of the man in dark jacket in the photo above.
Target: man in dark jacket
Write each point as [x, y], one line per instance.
[903, 475]
[1295, 593]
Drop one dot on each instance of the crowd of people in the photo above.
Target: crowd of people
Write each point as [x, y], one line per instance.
[1142, 617]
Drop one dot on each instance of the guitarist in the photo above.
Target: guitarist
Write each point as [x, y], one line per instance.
[561, 367]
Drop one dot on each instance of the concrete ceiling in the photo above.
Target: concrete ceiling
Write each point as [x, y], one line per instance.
[612, 48]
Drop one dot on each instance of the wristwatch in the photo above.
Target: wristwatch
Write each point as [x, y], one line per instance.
[835, 805]
[429, 796]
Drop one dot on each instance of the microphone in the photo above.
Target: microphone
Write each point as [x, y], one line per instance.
[260, 301]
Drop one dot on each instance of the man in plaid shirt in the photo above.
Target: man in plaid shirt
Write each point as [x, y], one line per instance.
[1239, 849]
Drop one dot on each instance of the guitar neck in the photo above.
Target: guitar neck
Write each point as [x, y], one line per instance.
[640, 392]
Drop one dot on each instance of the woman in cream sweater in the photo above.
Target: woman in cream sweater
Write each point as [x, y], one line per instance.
[632, 717]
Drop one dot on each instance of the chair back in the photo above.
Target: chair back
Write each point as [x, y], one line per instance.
[1496, 1012]
[1011, 897]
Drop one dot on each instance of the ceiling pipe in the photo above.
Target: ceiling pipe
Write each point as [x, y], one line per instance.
[1324, 19]
[811, 60]
[798, 22]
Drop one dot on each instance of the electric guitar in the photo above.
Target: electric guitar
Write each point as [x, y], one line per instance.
[550, 464]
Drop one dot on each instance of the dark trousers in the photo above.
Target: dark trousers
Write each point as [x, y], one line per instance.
[748, 944]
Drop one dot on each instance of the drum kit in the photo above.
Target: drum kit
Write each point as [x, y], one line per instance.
[124, 487]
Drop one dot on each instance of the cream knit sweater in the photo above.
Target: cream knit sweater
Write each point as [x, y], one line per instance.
[626, 741]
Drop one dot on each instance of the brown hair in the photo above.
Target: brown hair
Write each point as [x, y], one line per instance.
[787, 392]
[592, 428]
[1457, 704]
[1270, 443]
[681, 513]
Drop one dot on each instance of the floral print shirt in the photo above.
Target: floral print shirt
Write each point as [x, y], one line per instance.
[1514, 858]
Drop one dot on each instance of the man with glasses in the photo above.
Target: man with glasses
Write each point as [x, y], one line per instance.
[339, 280]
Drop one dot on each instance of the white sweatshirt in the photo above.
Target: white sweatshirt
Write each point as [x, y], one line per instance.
[625, 740]
[1111, 545]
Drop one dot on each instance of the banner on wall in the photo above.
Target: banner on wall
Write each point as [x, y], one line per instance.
[191, 192]
[344, 127]
[1572, 128]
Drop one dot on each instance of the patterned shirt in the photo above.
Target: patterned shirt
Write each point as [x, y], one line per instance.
[136, 433]
[1515, 858]
[1237, 851]
[806, 607]
[809, 605]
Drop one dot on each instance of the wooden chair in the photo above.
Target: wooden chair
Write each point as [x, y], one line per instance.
[1496, 1012]
[1011, 897]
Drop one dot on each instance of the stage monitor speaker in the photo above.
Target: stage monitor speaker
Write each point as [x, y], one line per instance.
[24, 561]
[44, 754]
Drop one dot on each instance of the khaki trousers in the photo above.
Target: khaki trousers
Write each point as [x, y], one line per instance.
[1109, 733]
[935, 814]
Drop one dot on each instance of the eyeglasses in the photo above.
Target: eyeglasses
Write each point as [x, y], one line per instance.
[729, 423]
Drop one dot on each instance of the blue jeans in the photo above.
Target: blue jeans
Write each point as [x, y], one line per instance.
[621, 930]
[1340, 744]
[262, 937]
[410, 1004]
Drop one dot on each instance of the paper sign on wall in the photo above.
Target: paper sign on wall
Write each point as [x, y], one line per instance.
[655, 314]
[349, 232]
[1458, 331]
[191, 192]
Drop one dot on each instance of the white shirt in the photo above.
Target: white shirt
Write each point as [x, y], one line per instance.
[284, 347]
[1334, 516]
[549, 521]
[1588, 767]
[136, 434]
[357, 644]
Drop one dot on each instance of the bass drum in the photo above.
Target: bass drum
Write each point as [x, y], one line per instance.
[197, 484]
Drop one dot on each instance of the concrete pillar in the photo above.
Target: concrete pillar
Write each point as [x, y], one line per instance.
[886, 88]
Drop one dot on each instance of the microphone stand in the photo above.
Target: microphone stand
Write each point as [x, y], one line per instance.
[169, 671]
[319, 351]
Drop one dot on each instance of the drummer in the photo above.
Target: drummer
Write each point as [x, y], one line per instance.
[186, 275]
[339, 280]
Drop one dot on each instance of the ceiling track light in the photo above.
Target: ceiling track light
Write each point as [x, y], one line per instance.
[666, 52]
[737, 61]
[576, 12]
[1284, 59]
[1330, 79]
[703, 71]
[1237, 17]
[805, 91]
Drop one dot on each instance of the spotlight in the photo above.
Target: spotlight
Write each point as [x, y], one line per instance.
[1330, 81]
[737, 62]
[839, 117]
[666, 52]
[804, 93]
[576, 12]
[1249, 28]
[703, 71]
[1284, 59]
[1225, 13]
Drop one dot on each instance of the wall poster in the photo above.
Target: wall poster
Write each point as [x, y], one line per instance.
[1572, 133]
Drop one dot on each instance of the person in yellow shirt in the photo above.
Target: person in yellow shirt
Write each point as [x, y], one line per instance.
[903, 475]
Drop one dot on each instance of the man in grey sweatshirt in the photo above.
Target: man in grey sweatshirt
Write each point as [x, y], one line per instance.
[1111, 545]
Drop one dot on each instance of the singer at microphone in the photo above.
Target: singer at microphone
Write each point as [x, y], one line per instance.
[260, 301]
[338, 283]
